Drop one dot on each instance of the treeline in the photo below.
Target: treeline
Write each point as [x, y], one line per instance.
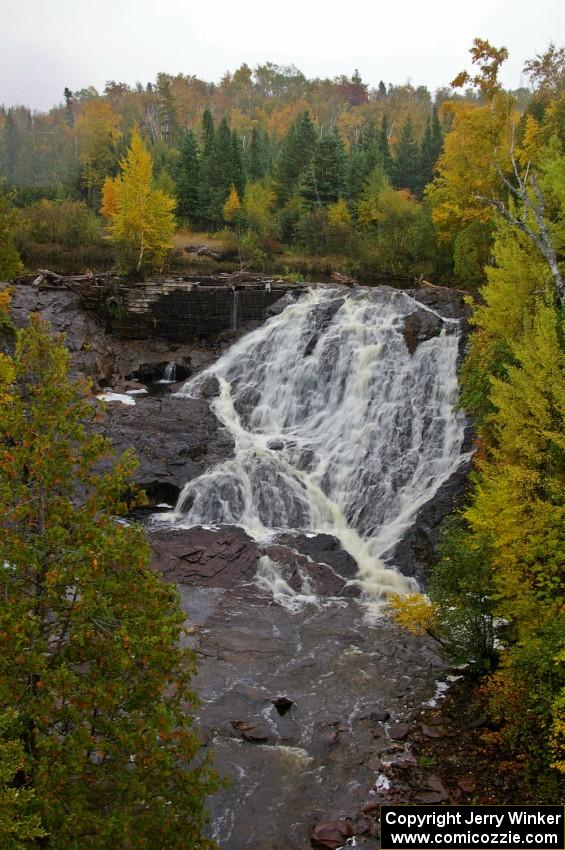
[497, 594]
[326, 167]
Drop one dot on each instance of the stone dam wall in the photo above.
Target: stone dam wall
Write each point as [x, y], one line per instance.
[181, 311]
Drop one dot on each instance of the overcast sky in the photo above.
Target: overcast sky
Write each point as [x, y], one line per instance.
[46, 45]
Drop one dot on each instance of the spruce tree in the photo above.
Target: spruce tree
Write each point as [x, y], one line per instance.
[187, 179]
[406, 163]
[295, 156]
[90, 655]
[323, 180]
[258, 159]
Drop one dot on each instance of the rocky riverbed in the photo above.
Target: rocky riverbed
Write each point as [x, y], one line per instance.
[307, 696]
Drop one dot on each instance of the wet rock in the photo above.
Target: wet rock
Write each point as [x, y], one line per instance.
[420, 326]
[322, 548]
[399, 732]
[210, 388]
[447, 301]
[417, 549]
[322, 317]
[251, 732]
[332, 834]
[277, 308]
[194, 438]
[204, 557]
[306, 576]
[379, 716]
[439, 793]
[275, 445]
[282, 705]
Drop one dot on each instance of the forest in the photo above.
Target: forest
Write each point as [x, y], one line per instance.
[464, 188]
[281, 167]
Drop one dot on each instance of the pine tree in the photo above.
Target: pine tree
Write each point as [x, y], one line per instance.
[322, 182]
[187, 178]
[430, 150]
[258, 164]
[405, 168]
[219, 173]
[90, 653]
[295, 156]
[141, 220]
[168, 120]
[208, 132]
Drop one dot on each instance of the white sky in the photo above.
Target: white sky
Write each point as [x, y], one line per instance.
[46, 45]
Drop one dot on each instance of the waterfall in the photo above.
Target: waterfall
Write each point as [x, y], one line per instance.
[170, 373]
[338, 428]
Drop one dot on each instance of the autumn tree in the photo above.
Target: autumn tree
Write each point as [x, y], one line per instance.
[90, 655]
[98, 135]
[10, 264]
[140, 216]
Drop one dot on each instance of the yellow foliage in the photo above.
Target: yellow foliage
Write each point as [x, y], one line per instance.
[338, 215]
[414, 612]
[140, 215]
[232, 206]
[468, 171]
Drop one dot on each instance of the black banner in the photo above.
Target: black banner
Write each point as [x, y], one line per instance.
[470, 827]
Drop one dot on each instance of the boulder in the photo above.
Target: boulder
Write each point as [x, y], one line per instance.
[204, 557]
[175, 439]
[332, 834]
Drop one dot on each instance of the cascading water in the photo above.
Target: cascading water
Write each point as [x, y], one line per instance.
[170, 374]
[338, 428]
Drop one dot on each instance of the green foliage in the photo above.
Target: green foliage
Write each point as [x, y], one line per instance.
[17, 827]
[10, 264]
[295, 156]
[471, 252]
[187, 176]
[406, 163]
[91, 654]
[462, 588]
[58, 230]
[322, 181]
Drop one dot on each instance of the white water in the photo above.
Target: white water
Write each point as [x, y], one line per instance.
[338, 429]
[170, 374]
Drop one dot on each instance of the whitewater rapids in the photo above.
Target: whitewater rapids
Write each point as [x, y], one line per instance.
[338, 428]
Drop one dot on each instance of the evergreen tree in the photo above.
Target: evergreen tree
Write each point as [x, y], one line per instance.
[167, 113]
[384, 146]
[258, 160]
[295, 156]
[13, 143]
[405, 168]
[208, 132]
[322, 182]
[187, 178]
[219, 173]
[430, 150]
[237, 166]
[90, 636]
